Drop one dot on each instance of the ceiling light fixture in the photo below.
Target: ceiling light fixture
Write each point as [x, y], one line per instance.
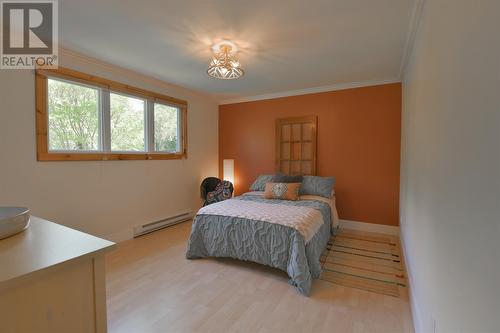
[225, 65]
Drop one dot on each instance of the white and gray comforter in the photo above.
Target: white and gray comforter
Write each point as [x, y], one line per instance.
[289, 235]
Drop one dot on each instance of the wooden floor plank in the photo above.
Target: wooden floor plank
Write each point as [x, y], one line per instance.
[366, 273]
[363, 244]
[360, 283]
[394, 270]
[365, 253]
[365, 260]
[369, 236]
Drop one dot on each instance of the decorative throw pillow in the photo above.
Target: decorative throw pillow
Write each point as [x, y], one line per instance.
[260, 183]
[282, 191]
[281, 178]
[223, 191]
[314, 185]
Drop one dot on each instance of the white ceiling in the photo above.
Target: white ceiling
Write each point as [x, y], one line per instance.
[285, 44]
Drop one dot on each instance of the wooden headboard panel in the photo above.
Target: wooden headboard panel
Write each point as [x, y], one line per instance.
[296, 145]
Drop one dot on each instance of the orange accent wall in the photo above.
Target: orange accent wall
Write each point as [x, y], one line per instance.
[359, 135]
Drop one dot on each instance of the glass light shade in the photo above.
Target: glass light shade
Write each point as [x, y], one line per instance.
[228, 170]
[225, 65]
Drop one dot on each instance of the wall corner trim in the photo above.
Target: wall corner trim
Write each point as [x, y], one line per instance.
[313, 90]
[411, 36]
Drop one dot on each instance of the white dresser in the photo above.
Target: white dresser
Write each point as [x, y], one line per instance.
[52, 280]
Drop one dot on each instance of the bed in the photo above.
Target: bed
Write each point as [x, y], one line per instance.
[288, 235]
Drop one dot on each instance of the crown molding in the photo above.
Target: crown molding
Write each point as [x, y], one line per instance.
[314, 90]
[416, 16]
[132, 74]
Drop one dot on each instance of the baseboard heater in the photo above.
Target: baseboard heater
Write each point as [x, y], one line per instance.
[157, 225]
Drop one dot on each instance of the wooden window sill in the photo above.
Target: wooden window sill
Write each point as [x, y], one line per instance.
[106, 157]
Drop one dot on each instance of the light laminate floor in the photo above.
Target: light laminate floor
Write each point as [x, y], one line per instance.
[151, 287]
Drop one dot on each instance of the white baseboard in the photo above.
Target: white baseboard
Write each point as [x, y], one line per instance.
[418, 327]
[369, 227]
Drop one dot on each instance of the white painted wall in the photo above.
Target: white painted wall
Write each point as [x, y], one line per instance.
[450, 172]
[104, 198]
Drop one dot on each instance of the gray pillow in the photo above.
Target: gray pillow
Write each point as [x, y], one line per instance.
[280, 178]
[260, 183]
[314, 185]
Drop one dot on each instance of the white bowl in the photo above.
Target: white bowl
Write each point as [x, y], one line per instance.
[13, 220]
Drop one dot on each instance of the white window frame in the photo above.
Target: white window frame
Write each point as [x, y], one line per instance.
[99, 111]
[107, 112]
[179, 129]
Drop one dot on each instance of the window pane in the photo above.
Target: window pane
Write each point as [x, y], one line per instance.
[166, 128]
[127, 123]
[73, 116]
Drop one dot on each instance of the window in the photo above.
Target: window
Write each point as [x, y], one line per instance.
[82, 117]
[166, 119]
[73, 116]
[128, 118]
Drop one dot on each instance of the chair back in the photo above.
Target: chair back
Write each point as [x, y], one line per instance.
[208, 185]
[222, 192]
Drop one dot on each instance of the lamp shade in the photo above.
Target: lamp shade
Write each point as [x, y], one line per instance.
[225, 64]
[228, 169]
